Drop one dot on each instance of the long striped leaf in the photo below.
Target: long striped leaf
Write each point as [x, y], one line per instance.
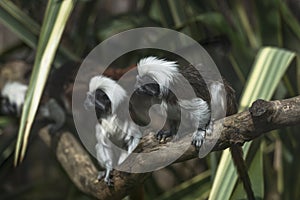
[26, 28]
[199, 184]
[269, 67]
[54, 23]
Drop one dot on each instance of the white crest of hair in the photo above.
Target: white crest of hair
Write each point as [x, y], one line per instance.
[160, 70]
[15, 92]
[113, 90]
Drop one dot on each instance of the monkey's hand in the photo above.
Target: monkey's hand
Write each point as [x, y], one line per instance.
[162, 135]
[171, 131]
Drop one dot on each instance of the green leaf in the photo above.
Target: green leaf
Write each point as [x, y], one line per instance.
[252, 37]
[20, 16]
[289, 18]
[4, 121]
[269, 67]
[18, 28]
[177, 11]
[54, 23]
[26, 28]
[166, 14]
[191, 189]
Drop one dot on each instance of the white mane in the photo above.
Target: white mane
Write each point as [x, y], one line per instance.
[162, 71]
[15, 92]
[113, 90]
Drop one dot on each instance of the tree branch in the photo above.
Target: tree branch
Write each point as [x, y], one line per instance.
[262, 117]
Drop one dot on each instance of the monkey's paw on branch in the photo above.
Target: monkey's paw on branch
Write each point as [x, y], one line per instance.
[262, 117]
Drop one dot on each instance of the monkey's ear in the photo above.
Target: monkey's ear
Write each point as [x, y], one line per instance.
[7, 108]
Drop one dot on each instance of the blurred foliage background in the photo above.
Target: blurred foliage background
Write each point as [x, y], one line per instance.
[234, 32]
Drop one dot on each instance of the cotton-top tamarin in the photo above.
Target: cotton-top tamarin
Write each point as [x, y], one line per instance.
[116, 137]
[54, 104]
[163, 75]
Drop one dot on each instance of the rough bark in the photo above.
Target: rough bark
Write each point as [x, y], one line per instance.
[261, 117]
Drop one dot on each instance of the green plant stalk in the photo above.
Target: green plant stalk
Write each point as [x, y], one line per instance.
[279, 31]
[176, 11]
[289, 86]
[56, 17]
[4, 120]
[237, 69]
[198, 183]
[16, 27]
[20, 16]
[29, 94]
[253, 40]
[165, 12]
[26, 28]
[289, 18]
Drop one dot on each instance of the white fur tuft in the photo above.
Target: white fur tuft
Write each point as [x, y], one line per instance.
[162, 71]
[197, 109]
[114, 91]
[218, 100]
[111, 136]
[15, 92]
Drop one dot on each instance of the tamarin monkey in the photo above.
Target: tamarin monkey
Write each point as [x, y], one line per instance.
[164, 74]
[55, 102]
[113, 132]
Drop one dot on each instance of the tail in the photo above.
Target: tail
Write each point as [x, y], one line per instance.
[236, 150]
[237, 156]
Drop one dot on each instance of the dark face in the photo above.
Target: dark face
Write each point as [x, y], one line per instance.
[100, 102]
[151, 88]
[8, 108]
[144, 96]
